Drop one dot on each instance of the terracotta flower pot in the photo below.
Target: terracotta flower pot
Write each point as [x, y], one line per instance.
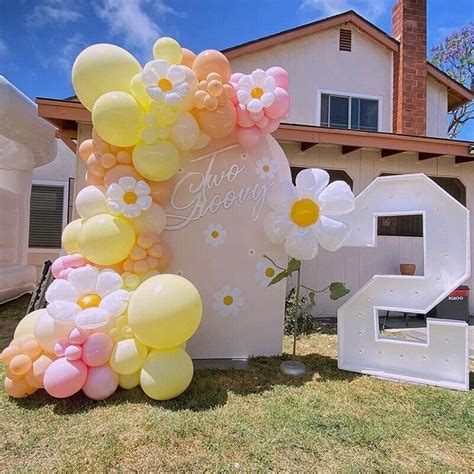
[407, 268]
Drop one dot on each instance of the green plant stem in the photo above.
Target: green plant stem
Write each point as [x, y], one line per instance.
[316, 291]
[295, 322]
[278, 266]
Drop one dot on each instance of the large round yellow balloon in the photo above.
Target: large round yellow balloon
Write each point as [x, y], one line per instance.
[26, 325]
[157, 162]
[118, 118]
[165, 311]
[128, 356]
[168, 49]
[102, 68]
[69, 237]
[166, 374]
[105, 239]
[139, 91]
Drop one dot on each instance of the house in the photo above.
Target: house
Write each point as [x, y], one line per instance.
[365, 104]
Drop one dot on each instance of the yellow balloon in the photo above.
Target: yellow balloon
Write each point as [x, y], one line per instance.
[105, 239]
[166, 374]
[157, 162]
[128, 356]
[139, 91]
[168, 49]
[26, 325]
[130, 381]
[102, 68]
[165, 311]
[69, 237]
[118, 118]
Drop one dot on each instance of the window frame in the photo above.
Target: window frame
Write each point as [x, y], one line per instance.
[59, 184]
[348, 95]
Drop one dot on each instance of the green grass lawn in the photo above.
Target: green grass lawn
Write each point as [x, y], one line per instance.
[257, 420]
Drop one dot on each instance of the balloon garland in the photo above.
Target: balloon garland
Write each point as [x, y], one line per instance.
[114, 317]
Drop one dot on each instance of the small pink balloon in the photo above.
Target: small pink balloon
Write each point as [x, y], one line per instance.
[271, 127]
[249, 137]
[97, 349]
[60, 348]
[62, 265]
[263, 123]
[73, 352]
[280, 105]
[256, 116]
[78, 336]
[236, 76]
[64, 378]
[243, 116]
[101, 382]
[280, 76]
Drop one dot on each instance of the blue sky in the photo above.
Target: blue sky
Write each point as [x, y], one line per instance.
[39, 39]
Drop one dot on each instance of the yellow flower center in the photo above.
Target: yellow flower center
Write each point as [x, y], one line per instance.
[257, 92]
[228, 300]
[89, 301]
[269, 272]
[165, 84]
[266, 168]
[130, 197]
[214, 234]
[304, 212]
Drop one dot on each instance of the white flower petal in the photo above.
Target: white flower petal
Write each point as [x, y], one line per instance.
[149, 77]
[131, 210]
[84, 279]
[114, 191]
[61, 290]
[311, 181]
[63, 311]
[269, 84]
[245, 84]
[282, 195]
[302, 244]
[115, 207]
[172, 98]
[158, 66]
[277, 226]
[243, 97]
[155, 93]
[128, 183]
[182, 90]
[92, 318]
[107, 282]
[267, 99]
[337, 199]
[115, 303]
[144, 202]
[330, 233]
[258, 77]
[142, 188]
[176, 74]
[255, 106]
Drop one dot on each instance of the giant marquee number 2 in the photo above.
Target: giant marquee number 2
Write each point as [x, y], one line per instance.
[443, 359]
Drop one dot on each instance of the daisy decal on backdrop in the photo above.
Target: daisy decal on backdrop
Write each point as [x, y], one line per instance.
[256, 91]
[87, 297]
[265, 272]
[265, 168]
[228, 301]
[215, 234]
[303, 214]
[165, 83]
[128, 197]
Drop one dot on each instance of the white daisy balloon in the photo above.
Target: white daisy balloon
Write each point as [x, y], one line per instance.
[303, 214]
[256, 90]
[87, 297]
[228, 301]
[165, 83]
[215, 234]
[128, 197]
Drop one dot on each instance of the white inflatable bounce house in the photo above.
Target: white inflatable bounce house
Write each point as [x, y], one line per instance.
[26, 142]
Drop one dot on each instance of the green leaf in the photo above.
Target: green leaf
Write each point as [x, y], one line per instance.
[293, 266]
[278, 277]
[337, 290]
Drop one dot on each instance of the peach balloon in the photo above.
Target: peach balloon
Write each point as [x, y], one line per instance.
[86, 148]
[188, 58]
[18, 388]
[108, 160]
[92, 178]
[94, 165]
[9, 353]
[165, 259]
[217, 123]
[35, 375]
[124, 157]
[20, 364]
[31, 348]
[119, 171]
[160, 190]
[210, 61]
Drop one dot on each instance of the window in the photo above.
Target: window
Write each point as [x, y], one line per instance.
[334, 175]
[412, 226]
[345, 40]
[46, 216]
[353, 113]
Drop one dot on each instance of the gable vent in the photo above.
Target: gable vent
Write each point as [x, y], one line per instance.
[345, 40]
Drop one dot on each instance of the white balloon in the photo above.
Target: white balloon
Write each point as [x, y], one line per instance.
[47, 331]
[91, 201]
[202, 141]
[152, 220]
[185, 132]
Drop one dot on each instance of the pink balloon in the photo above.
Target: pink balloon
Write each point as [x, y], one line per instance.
[64, 378]
[261, 124]
[249, 137]
[243, 117]
[257, 116]
[271, 127]
[78, 336]
[101, 382]
[73, 352]
[280, 106]
[97, 349]
[63, 265]
[60, 348]
[233, 98]
[280, 76]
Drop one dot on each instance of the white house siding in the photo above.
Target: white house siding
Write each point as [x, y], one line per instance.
[436, 109]
[356, 266]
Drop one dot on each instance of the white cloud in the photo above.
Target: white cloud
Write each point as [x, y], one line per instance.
[63, 58]
[54, 11]
[369, 9]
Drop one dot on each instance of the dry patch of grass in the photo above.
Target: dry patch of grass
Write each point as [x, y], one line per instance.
[257, 420]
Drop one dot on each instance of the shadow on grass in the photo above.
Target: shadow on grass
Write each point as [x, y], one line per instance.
[209, 388]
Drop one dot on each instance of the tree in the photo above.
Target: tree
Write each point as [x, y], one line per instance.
[455, 56]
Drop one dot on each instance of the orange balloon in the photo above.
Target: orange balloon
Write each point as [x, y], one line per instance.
[94, 165]
[35, 375]
[188, 58]
[209, 61]
[20, 364]
[92, 178]
[86, 148]
[18, 388]
[119, 171]
[160, 190]
[217, 123]
[108, 160]
[124, 157]
[31, 348]
[9, 352]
